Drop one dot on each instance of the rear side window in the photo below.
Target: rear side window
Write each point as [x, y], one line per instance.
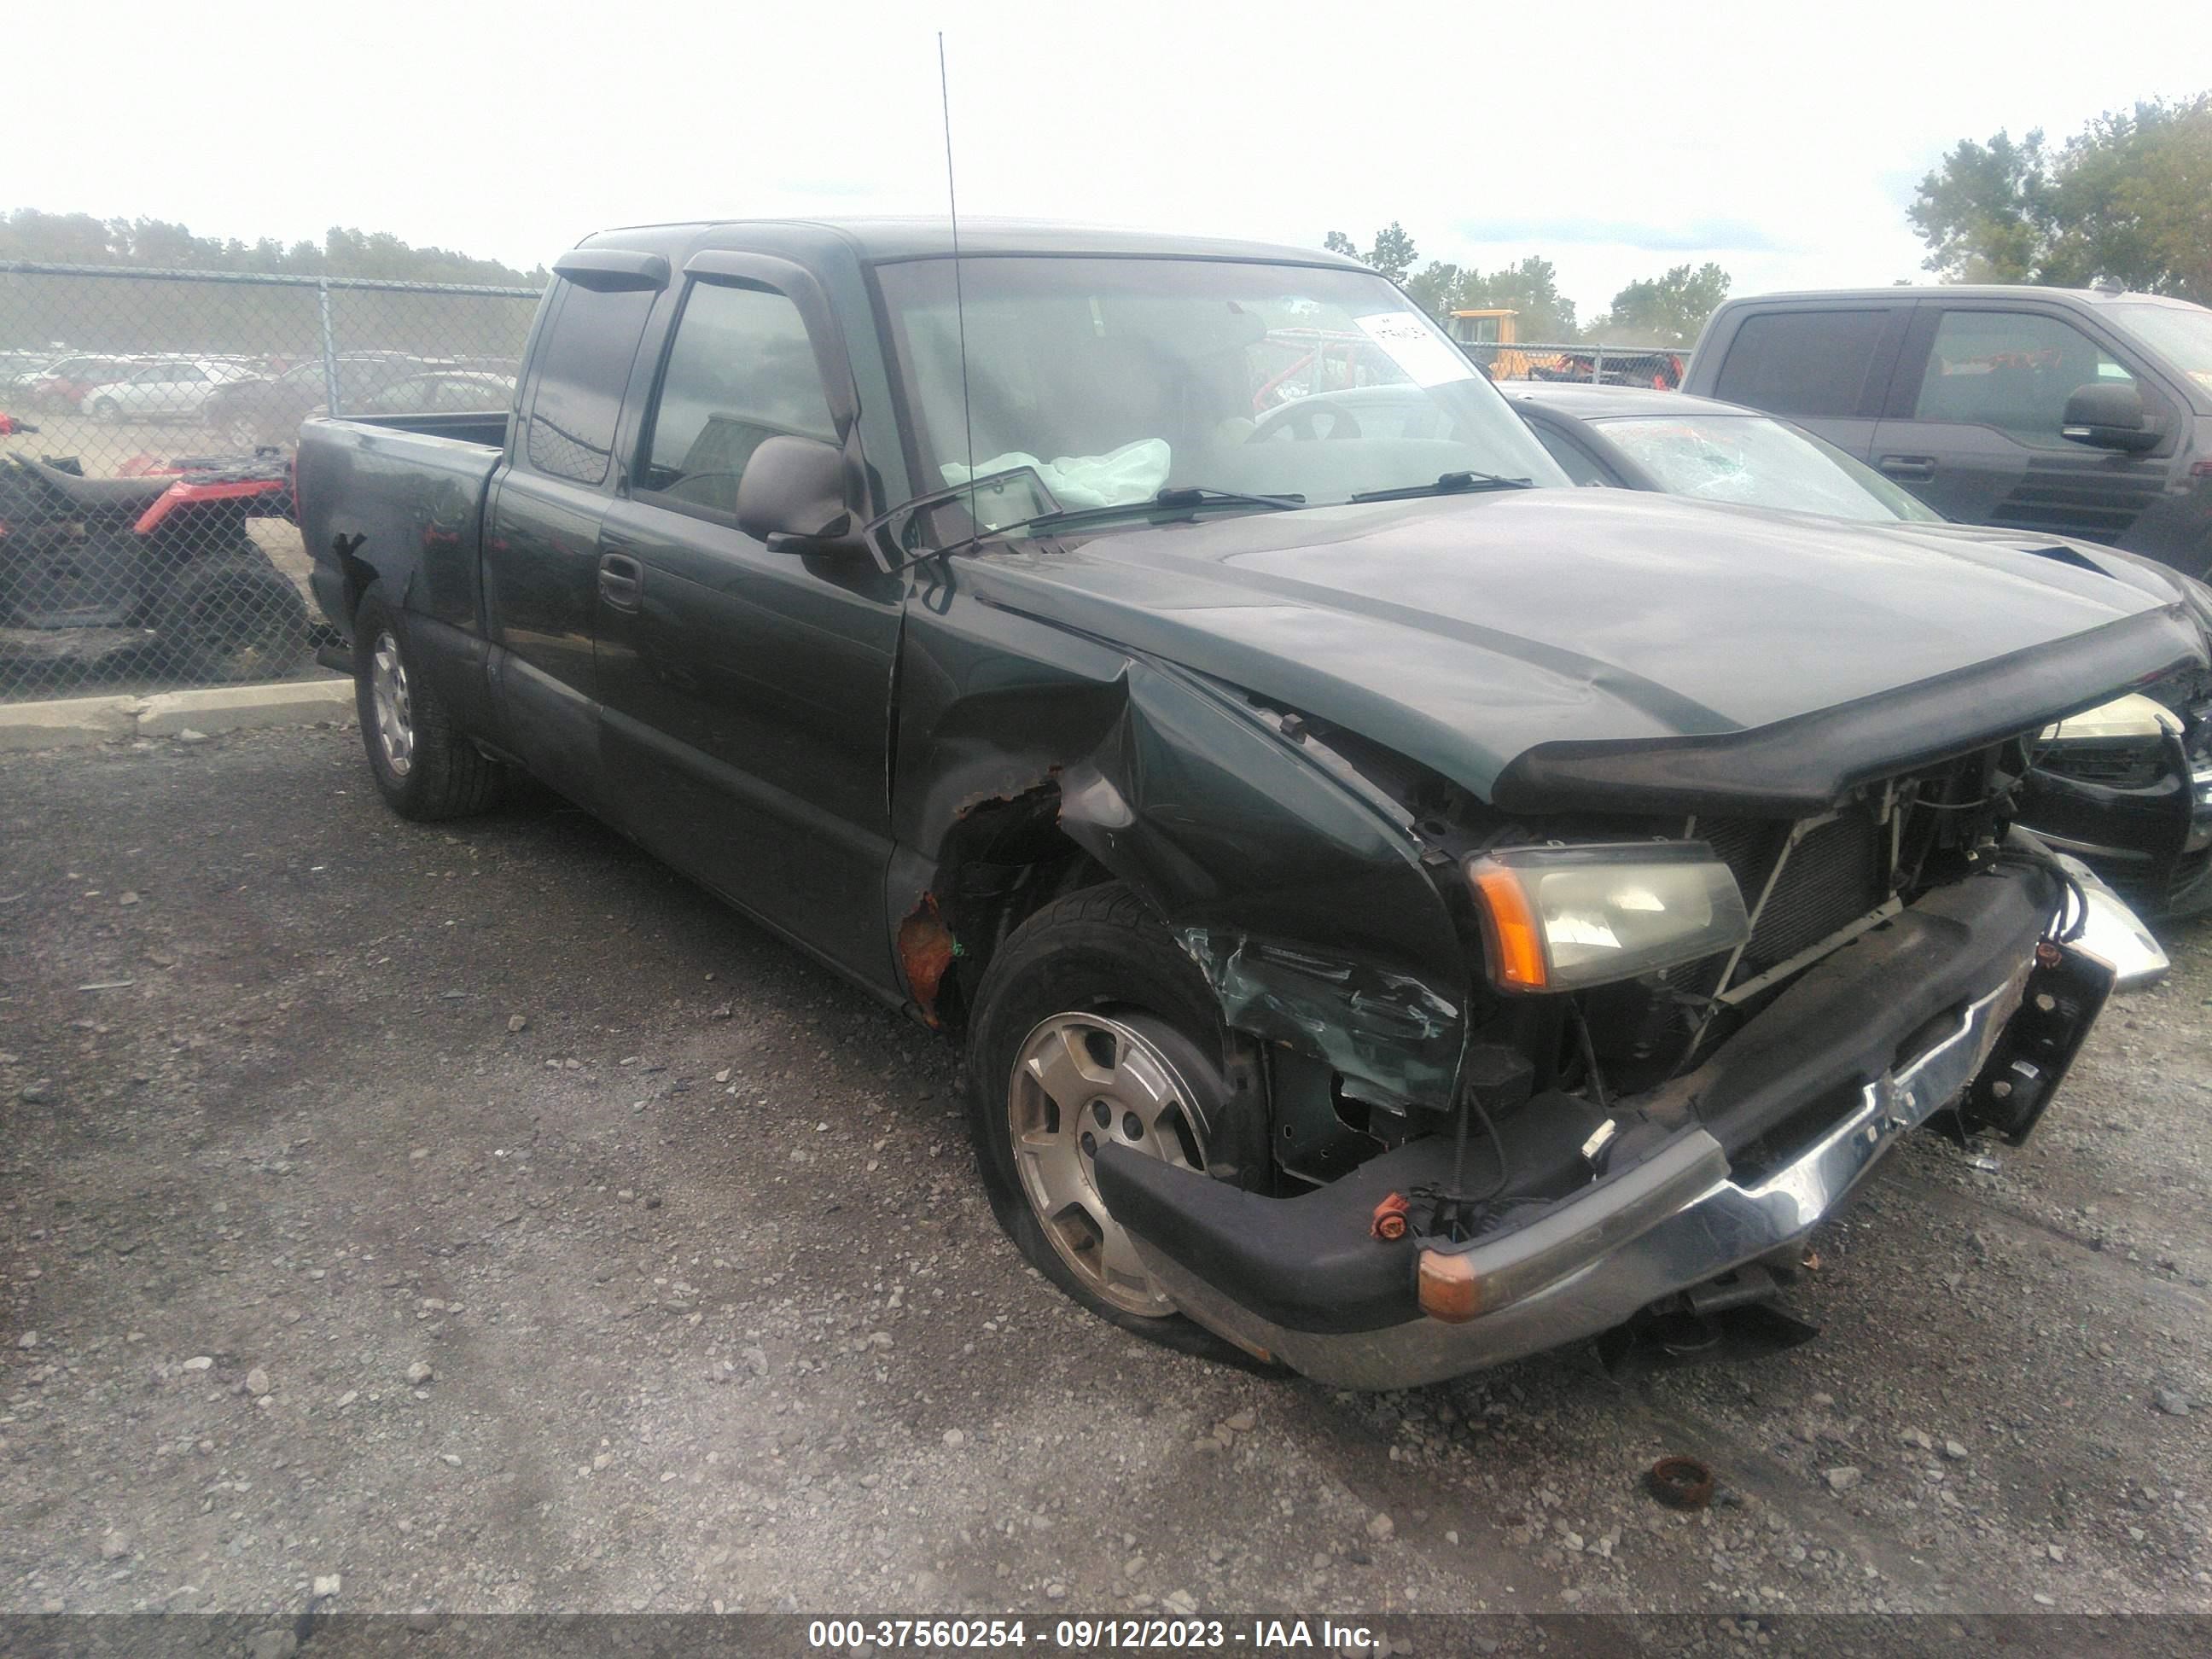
[741, 370]
[583, 367]
[1802, 362]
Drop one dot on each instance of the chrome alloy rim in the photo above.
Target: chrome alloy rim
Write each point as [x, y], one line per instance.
[1079, 1081]
[395, 709]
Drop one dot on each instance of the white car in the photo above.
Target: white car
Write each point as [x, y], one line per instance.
[173, 389]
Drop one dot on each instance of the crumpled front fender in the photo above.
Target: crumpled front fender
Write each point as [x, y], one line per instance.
[1297, 890]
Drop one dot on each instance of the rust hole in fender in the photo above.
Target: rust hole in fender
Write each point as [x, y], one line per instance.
[925, 951]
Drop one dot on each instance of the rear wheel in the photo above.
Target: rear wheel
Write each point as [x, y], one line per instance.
[1093, 1027]
[423, 766]
[235, 620]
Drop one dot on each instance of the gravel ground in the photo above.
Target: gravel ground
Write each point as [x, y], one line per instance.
[483, 1218]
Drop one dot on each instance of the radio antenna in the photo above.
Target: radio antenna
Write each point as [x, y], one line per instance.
[959, 297]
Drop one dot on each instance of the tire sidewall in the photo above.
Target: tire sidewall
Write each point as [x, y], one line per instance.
[240, 599]
[372, 619]
[1051, 967]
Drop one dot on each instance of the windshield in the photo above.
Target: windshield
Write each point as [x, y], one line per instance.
[1760, 463]
[2182, 335]
[1117, 379]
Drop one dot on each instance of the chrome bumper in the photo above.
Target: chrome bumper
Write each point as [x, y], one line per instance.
[2114, 933]
[1626, 1248]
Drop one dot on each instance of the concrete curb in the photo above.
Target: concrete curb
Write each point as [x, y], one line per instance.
[78, 722]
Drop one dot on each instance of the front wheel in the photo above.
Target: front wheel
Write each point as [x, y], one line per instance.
[107, 411]
[1093, 1027]
[424, 768]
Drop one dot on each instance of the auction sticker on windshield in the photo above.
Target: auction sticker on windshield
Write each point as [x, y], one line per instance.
[1426, 357]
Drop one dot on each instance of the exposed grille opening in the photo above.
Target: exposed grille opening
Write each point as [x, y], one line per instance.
[1831, 877]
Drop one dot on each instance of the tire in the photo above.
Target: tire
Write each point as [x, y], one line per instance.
[234, 620]
[1097, 975]
[107, 411]
[423, 766]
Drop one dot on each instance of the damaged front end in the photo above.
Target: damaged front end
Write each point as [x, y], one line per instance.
[1684, 1043]
[1592, 1046]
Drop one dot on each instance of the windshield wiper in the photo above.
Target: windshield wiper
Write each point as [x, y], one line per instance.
[1202, 495]
[1173, 498]
[1451, 483]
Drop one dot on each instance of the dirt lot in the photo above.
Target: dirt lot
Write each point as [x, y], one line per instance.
[485, 1219]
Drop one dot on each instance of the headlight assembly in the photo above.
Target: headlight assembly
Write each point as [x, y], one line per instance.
[1561, 918]
[2134, 716]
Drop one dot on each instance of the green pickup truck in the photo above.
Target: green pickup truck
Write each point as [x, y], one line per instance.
[1401, 913]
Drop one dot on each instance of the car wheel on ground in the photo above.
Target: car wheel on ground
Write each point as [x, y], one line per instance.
[1092, 1025]
[106, 410]
[424, 768]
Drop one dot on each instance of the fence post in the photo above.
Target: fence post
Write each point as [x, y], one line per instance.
[1597, 369]
[329, 348]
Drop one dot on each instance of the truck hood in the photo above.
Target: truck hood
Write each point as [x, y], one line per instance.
[1581, 627]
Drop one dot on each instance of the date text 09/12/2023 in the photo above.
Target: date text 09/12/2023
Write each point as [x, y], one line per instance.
[1260, 1635]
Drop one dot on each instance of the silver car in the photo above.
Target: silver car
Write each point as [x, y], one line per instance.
[172, 389]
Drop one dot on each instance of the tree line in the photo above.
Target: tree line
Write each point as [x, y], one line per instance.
[1666, 310]
[99, 313]
[79, 238]
[2127, 199]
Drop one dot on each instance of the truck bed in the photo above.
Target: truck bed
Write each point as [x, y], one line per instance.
[406, 495]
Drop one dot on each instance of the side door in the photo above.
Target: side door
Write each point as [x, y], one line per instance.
[542, 523]
[747, 689]
[1826, 366]
[1973, 428]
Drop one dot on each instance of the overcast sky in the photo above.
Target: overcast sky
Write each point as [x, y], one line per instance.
[1784, 141]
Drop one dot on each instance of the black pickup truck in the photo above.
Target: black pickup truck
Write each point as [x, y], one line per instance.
[1402, 914]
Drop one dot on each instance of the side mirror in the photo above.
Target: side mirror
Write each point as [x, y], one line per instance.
[2108, 415]
[792, 497]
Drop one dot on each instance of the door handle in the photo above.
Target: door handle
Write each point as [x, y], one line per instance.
[1922, 467]
[622, 580]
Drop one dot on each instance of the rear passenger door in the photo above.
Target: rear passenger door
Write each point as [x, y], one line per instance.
[747, 692]
[1825, 367]
[1978, 404]
[541, 538]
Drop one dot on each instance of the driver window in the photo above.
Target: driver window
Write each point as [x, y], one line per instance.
[2011, 370]
[741, 370]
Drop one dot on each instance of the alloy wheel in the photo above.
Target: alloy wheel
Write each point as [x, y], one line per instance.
[1079, 1081]
[395, 709]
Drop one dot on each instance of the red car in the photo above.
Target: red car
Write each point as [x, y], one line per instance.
[64, 385]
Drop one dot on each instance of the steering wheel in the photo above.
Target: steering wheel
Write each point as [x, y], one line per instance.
[1302, 420]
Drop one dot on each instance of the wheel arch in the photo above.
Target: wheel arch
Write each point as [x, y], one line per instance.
[1306, 907]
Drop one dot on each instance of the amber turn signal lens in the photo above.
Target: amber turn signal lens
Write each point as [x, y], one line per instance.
[1513, 929]
[1449, 1289]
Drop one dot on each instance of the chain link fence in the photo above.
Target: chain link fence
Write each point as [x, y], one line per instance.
[147, 421]
[1657, 367]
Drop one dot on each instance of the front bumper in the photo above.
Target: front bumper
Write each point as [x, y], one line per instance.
[1712, 1198]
